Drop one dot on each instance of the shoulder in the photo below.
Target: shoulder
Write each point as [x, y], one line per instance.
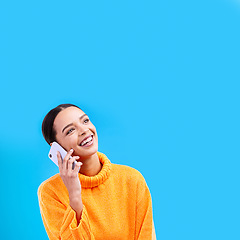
[127, 173]
[131, 180]
[124, 169]
[50, 186]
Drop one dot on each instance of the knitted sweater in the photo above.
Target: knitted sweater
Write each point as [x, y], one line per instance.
[116, 205]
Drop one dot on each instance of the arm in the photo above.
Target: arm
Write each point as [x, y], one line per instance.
[144, 218]
[71, 181]
[60, 219]
[65, 220]
[153, 233]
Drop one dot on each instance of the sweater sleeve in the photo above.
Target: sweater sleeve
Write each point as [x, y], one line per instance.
[144, 216]
[60, 220]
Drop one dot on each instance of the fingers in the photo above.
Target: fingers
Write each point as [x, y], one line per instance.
[66, 159]
[69, 163]
[60, 161]
[77, 167]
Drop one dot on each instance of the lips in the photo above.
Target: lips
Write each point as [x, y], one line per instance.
[87, 141]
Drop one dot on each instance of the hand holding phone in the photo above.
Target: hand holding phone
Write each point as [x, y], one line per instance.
[69, 176]
[55, 147]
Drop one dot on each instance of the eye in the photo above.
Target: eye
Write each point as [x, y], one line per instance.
[86, 120]
[70, 130]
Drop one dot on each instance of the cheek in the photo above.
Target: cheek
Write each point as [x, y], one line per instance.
[93, 129]
[73, 139]
[68, 142]
[96, 136]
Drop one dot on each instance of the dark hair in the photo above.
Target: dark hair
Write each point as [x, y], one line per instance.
[48, 130]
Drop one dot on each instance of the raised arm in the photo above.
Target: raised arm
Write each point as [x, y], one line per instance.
[63, 219]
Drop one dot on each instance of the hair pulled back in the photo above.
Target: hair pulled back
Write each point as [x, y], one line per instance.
[48, 130]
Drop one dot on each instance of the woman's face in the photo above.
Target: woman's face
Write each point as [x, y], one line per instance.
[75, 130]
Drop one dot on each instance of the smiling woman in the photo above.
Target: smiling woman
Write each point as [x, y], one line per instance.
[96, 199]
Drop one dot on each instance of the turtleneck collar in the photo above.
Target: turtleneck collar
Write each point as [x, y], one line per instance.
[91, 182]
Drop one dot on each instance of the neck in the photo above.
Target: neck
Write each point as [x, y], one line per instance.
[91, 166]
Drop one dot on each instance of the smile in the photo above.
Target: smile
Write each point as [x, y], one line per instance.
[87, 141]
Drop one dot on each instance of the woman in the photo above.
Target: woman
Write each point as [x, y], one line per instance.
[96, 199]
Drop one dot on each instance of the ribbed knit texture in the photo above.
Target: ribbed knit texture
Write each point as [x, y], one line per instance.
[117, 205]
[90, 182]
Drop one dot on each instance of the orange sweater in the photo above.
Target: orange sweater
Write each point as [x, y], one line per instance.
[117, 205]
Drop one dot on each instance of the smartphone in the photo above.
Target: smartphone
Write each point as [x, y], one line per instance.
[53, 153]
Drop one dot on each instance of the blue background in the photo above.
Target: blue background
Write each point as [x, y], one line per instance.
[160, 81]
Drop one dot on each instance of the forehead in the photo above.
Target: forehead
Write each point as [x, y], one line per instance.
[67, 116]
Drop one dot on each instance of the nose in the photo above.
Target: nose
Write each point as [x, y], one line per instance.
[82, 131]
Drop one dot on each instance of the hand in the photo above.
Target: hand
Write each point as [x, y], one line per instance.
[71, 180]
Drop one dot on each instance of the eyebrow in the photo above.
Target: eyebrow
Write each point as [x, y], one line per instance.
[72, 123]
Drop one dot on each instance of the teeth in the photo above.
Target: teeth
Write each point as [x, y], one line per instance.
[86, 141]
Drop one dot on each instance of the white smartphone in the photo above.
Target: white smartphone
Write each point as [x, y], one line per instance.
[53, 153]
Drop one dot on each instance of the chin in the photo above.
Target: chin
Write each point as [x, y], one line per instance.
[86, 153]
